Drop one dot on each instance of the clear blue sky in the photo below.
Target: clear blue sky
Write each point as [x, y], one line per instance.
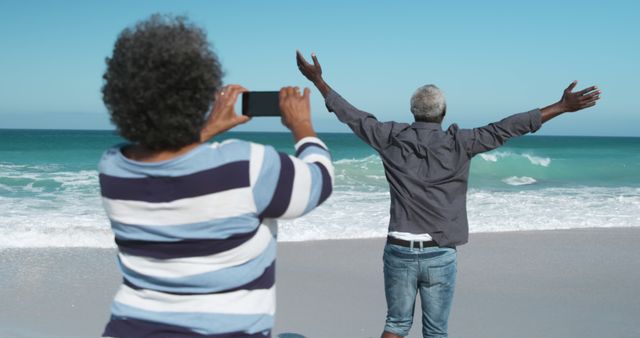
[491, 58]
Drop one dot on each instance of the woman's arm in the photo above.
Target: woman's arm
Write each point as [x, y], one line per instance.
[287, 186]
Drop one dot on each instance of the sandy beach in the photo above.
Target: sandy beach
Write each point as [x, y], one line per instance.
[565, 283]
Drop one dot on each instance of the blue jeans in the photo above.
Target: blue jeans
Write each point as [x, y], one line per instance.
[432, 271]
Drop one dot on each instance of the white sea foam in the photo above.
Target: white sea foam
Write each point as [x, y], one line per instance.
[52, 235]
[364, 215]
[495, 156]
[344, 215]
[6, 187]
[68, 211]
[67, 221]
[30, 188]
[542, 161]
[489, 157]
[54, 209]
[365, 160]
[564, 208]
[519, 180]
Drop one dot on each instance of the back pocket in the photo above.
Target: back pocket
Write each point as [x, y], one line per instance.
[444, 275]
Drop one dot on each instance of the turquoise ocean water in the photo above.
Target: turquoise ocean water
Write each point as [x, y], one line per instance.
[49, 193]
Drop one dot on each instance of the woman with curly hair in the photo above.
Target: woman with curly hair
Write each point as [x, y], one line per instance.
[191, 219]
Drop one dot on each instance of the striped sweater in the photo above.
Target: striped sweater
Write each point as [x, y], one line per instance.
[196, 246]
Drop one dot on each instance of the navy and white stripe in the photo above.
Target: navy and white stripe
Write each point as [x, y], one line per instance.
[302, 182]
[195, 251]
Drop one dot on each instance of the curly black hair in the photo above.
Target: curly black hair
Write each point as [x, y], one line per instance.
[160, 81]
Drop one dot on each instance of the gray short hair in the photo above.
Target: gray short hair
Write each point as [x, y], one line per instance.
[427, 103]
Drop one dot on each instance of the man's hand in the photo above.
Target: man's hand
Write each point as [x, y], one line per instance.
[313, 72]
[223, 114]
[571, 101]
[296, 112]
[585, 98]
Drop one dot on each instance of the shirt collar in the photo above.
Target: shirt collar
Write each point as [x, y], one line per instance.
[426, 125]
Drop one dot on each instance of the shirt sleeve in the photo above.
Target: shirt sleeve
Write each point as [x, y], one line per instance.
[493, 135]
[365, 125]
[286, 186]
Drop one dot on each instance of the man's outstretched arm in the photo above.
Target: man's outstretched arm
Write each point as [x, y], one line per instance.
[495, 134]
[365, 125]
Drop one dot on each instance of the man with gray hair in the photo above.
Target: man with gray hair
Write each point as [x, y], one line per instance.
[427, 169]
[428, 105]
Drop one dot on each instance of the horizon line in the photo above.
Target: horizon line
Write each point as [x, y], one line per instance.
[285, 132]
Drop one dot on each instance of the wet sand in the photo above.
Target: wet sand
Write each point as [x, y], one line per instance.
[565, 283]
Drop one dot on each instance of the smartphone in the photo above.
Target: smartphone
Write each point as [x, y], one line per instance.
[261, 104]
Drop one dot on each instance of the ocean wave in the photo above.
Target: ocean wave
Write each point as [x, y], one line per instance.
[367, 159]
[61, 220]
[495, 156]
[541, 161]
[564, 208]
[47, 167]
[30, 188]
[51, 209]
[6, 188]
[360, 174]
[77, 237]
[519, 180]
[29, 183]
[489, 157]
[70, 220]
[43, 208]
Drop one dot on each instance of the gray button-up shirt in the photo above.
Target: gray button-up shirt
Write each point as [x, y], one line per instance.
[428, 168]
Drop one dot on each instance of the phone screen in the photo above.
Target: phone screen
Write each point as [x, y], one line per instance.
[261, 104]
